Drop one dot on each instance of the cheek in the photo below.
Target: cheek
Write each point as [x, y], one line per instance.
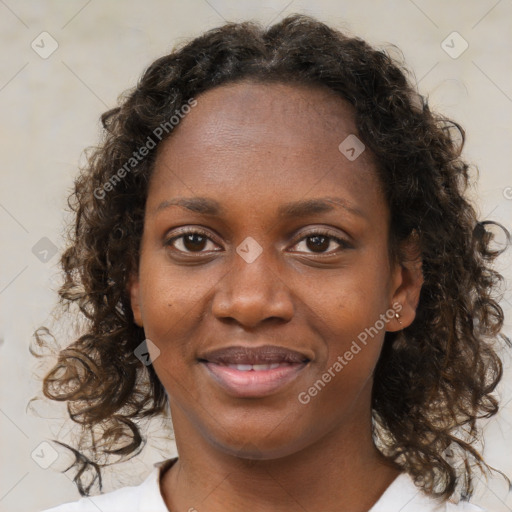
[351, 364]
[171, 297]
[171, 309]
[342, 376]
[350, 313]
[353, 348]
[352, 301]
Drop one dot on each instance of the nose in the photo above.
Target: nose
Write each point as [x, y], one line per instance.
[253, 293]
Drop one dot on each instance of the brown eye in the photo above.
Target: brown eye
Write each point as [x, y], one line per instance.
[318, 243]
[190, 242]
[194, 242]
[321, 242]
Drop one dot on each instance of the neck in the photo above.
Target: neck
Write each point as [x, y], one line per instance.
[342, 471]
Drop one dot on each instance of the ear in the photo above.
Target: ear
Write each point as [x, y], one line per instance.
[407, 283]
[134, 291]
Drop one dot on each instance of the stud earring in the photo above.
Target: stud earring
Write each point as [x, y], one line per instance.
[397, 316]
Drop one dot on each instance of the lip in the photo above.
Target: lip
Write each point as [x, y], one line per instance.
[264, 354]
[229, 368]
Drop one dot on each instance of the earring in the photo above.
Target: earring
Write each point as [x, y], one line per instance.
[397, 316]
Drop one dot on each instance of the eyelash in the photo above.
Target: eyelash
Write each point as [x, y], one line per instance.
[315, 232]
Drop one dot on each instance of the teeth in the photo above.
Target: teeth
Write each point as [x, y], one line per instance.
[265, 366]
[255, 367]
[242, 367]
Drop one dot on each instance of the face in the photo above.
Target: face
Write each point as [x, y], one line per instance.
[264, 258]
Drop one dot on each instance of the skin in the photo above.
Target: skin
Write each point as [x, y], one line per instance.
[252, 148]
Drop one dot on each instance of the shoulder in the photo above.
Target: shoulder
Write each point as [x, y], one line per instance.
[145, 497]
[463, 506]
[403, 495]
[115, 501]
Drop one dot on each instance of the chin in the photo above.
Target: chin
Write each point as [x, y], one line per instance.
[259, 444]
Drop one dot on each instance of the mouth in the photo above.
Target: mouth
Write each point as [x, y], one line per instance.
[253, 372]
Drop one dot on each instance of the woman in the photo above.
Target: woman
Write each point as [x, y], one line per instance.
[273, 241]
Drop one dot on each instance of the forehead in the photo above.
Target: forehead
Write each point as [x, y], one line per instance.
[254, 138]
[250, 110]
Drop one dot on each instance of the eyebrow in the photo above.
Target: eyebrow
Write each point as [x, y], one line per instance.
[203, 205]
[313, 206]
[302, 208]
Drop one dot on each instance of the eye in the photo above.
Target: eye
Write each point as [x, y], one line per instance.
[190, 241]
[318, 241]
[196, 241]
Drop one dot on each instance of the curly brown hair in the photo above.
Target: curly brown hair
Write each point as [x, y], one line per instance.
[434, 379]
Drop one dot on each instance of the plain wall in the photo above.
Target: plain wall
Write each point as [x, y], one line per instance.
[50, 110]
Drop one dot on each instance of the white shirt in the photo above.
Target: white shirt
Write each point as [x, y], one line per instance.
[401, 496]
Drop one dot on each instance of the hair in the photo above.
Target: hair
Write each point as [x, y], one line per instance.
[434, 379]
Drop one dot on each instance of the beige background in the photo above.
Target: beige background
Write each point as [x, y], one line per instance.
[50, 112]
